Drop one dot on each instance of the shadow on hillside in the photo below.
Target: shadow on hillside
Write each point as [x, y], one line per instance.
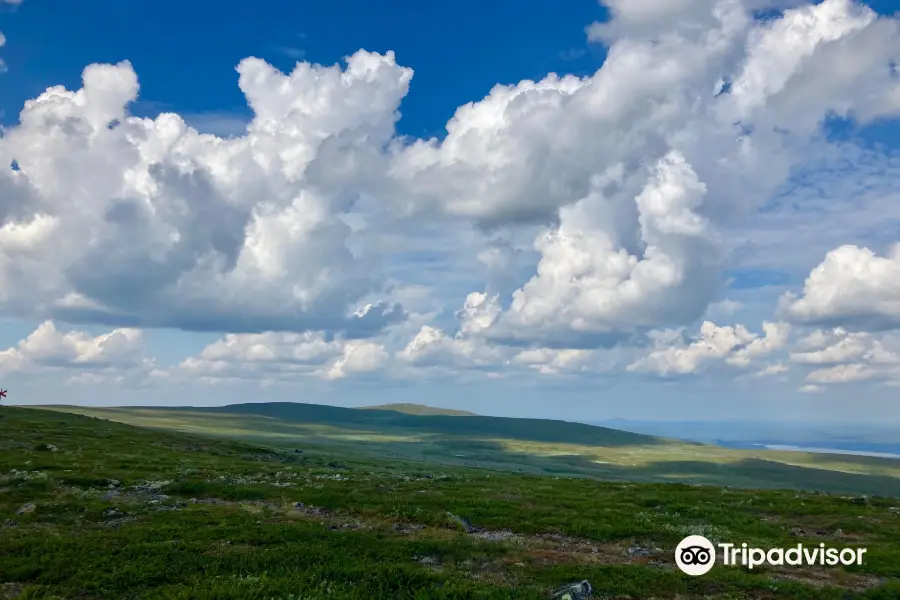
[386, 422]
[748, 473]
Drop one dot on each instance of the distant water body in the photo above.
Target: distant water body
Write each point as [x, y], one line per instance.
[828, 451]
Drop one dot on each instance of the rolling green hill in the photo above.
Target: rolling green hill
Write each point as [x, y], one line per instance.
[535, 430]
[421, 409]
[98, 510]
[517, 445]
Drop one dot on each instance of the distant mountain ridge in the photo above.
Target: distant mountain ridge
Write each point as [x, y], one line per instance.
[420, 409]
[476, 426]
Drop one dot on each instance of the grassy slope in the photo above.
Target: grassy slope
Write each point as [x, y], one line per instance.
[227, 526]
[521, 445]
[421, 409]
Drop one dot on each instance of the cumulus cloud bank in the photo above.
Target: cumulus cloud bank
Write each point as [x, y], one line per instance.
[735, 346]
[81, 357]
[115, 219]
[613, 191]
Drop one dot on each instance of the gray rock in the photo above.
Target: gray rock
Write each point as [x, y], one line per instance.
[495, 536]
[26, 509]
[110, 494]
[119, 521]
[206, 501]
[574, 591]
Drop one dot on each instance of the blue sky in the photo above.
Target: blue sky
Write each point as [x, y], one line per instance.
[562, 246]
[185, 51]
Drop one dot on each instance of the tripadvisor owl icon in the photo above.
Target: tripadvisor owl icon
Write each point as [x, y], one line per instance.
[695, 555]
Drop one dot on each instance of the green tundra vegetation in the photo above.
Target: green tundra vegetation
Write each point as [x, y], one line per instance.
[231, 504]
[534, 446]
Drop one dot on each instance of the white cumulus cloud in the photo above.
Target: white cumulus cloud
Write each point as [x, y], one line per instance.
[117, 219]
[286, 356]
[112, 356]
[735, 346]
[852, 287]
[551, 361]
[840, 356]
[358, 357]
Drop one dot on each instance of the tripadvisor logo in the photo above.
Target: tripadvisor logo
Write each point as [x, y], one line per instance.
[696, 555]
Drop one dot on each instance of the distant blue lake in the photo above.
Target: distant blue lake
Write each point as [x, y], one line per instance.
[827, 450]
